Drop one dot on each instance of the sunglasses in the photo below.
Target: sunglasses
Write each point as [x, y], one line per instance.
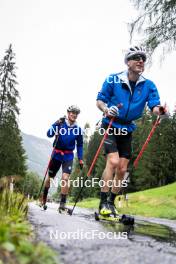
[137, 58]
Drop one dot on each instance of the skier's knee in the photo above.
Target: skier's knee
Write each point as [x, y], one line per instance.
[65, 177]
[113, 161]
[122, 170]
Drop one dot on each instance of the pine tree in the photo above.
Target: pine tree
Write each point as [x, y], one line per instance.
[12, 155]
[156, 20]
[90, 147]
[158, 163]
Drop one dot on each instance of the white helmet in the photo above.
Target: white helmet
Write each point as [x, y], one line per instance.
[135, 50]
[74, 109]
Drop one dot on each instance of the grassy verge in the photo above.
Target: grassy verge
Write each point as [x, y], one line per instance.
[157, 202]
[17, 244]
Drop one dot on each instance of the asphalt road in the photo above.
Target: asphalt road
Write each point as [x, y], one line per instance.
[80, 239]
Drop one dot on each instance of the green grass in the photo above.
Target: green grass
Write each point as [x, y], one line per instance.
[17, 241]
[157, 202]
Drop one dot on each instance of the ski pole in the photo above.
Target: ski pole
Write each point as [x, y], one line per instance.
[93, 163]
[48, 167]
[135, 163]
[157, 122]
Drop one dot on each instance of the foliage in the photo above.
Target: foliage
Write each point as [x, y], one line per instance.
[17, 244]
[30, 184]
[12, 154]
[156, 202]
[157, 21]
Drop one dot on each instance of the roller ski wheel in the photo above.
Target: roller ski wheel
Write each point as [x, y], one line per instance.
[127, 220]
[97, 216]
[124, 219]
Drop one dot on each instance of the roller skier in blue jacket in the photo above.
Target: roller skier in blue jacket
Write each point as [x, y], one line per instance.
[67, 135]
[123, 97]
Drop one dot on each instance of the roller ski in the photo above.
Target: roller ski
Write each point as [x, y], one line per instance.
[124, 219]
[64, 210]
[108, 212]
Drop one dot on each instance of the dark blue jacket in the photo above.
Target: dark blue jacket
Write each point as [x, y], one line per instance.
[116, 90]
[69, 136]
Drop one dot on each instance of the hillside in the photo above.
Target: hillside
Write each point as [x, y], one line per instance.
[156, 202]
[38, 152]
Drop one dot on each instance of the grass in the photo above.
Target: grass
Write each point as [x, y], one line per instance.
[157, 202]
[17, 241]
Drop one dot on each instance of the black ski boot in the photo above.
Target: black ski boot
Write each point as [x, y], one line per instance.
[43, 205]
[63, 209]
[112, 208]
[62, 206]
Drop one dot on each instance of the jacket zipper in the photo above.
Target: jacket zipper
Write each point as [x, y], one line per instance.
[130, 99]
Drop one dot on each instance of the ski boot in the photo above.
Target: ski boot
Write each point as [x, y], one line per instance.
[43, 205]
[63, 209]
[104, 209]
[113, 208]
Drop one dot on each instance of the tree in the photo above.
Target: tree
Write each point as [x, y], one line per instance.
[12, 154]
[30, 184]
[90, 147]
[158, 162]
[156, 20]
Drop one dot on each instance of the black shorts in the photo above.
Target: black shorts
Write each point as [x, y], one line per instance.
[118, 143]
[55, 165]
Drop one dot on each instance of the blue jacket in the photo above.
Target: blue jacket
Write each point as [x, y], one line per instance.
[116, 90]
[69, 136]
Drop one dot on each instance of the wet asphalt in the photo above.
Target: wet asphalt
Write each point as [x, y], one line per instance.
[80, 239]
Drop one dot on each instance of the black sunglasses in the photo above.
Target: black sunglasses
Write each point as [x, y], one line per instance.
[137, 58]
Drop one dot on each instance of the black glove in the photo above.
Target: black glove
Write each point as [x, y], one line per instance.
[81, 164]
[61, 120]
[163, 112]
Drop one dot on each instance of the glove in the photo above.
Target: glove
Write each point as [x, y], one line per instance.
[113, 111]
[61, 120]
[81, 164]
[163, 112]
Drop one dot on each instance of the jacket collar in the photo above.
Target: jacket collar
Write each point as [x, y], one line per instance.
[123, 76]
[68, 124]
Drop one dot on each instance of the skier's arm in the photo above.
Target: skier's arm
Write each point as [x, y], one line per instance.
[54, 129]
[102, 106]
[154, 102]
[104, 96]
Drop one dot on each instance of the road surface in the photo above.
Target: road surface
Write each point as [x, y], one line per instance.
[80, 239]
